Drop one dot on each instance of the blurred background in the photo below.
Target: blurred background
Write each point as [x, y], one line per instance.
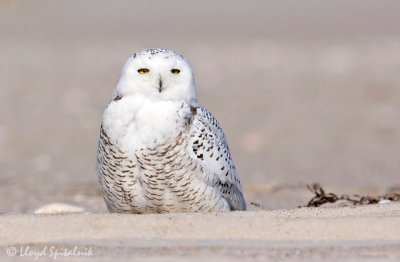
[306, 91]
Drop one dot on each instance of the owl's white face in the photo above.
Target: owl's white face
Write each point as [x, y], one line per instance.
[157, 74]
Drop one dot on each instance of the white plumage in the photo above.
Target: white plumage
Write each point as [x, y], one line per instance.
[159, 150]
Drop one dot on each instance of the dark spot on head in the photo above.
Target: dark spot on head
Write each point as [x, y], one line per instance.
[118, 97]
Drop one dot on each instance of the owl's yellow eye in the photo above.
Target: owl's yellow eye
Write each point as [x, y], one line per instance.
[175, 71]
[143, 71]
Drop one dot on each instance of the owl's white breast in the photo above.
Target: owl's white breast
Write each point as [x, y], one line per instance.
[135, 122]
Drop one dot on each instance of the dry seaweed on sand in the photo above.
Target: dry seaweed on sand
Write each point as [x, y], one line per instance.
[321, 197]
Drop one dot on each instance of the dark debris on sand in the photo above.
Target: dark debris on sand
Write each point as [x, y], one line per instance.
[321, 197]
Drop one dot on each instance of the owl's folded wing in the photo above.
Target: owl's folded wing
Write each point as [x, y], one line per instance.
[208, 146]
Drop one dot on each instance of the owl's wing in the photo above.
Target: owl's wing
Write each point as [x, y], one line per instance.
[208, 146]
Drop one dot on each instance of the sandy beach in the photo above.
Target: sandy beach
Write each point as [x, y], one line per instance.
[369, 233]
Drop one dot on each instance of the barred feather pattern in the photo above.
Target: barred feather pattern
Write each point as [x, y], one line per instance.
[192, 171]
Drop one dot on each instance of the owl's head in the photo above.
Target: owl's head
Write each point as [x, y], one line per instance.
[157, 74]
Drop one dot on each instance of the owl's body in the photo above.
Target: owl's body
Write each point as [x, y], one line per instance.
[159, 150]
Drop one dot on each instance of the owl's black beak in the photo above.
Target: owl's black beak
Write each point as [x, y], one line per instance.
[160, 85]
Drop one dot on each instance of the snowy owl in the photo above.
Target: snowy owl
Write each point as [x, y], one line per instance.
[159, 150]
